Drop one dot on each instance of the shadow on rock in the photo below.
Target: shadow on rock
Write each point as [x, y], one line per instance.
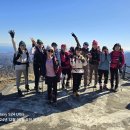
[32, 105]
[128, 106]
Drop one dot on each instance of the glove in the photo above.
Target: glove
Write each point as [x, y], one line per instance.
[73, 35]
[12, 33]
[33, 42]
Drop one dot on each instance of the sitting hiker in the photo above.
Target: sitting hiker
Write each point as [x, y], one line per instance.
[77, 63]
[21, 63]
[103, 68]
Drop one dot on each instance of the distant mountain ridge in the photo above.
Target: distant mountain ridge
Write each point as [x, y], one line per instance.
[7, 52]
[6, 49]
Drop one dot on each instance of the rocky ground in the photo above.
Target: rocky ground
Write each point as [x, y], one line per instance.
[93, 110]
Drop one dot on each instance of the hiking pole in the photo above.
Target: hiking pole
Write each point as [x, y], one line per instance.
[42, 78]
[71, 81]
[27, 87]
[120, 78]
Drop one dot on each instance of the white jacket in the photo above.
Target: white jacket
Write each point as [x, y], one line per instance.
[22, 59]
[77, 64]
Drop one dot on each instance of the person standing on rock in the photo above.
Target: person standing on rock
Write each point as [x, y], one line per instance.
[117, 61]
[77, 63]
[94, 62]
[65, 66]
[21, 62]
[85, 52]
[51, 74]
[38, 61]
[57, 55]
[56, 52]
[71, 51]
[103, 68]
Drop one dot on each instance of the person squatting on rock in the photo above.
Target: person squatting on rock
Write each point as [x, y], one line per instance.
[77, 63]
[21, 62]
[65, 66]
[103, 68]
[117, 62]
[94, 62]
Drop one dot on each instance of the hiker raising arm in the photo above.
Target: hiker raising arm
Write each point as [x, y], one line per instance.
[21, 62]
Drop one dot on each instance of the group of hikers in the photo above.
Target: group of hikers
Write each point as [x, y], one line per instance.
[60, 65]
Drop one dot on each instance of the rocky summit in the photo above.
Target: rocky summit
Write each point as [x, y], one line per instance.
[92, 110]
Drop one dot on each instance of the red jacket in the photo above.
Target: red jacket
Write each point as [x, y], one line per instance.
[65, 60]
[117, 59]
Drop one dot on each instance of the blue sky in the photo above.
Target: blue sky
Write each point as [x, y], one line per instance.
[107, 21]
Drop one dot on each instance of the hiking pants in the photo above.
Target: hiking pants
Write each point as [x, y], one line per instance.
[100, 75]
[93, 68]
[76, 81]
[18, 77]
[86, 74]
[114, 77]
[52, 88]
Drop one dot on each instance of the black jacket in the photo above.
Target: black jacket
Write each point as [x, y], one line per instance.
[95, 57]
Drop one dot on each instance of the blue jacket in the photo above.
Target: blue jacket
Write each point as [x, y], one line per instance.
[104, 63]
[57, 55]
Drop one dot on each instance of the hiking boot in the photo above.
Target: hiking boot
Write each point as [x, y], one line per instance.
[105, 87]
[37, 88]
[76, 94]
[94, 86]
[54, 104]
[49, 102]
[85, 85]
[112, 90]
[27, 87]
[20, 93]
[101, 88]
[37, 91]
[54, 98]
[63, 86]
[116, 87]
[67, 84]
[115, 90]
[89, 83]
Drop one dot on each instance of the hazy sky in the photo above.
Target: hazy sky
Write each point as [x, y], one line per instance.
[107, 21]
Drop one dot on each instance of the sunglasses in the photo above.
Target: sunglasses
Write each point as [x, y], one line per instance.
[50, 51]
